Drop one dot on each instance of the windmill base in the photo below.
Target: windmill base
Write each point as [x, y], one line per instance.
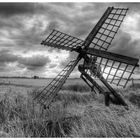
[110, 97]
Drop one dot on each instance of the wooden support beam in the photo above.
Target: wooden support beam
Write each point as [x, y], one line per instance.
[116, 95]
[113, 56]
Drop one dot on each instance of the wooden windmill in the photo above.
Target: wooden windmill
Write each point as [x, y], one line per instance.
[108, 67]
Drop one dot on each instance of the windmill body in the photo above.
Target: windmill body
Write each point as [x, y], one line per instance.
[108, 67]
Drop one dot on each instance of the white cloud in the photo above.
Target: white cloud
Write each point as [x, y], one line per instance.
[131, 25]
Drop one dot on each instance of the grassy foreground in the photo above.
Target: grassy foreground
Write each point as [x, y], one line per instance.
[74, 113]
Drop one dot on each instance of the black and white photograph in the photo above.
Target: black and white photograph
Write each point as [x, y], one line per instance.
[69, 69]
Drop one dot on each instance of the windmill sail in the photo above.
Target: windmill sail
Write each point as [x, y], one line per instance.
[115, 72]
[116, 69]
[107, 27]
[63, 41]
[100, 37]
[46, 96]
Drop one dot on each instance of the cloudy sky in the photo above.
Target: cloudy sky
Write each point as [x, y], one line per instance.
[24, 25]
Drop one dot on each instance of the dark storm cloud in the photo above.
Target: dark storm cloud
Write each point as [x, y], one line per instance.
[124, 45]
[73, 17]
[83, 29]
[53, 25]
[76, 19]
[78, 26]
[133, 6]
[31, 63]
[34, 62]
[8, 9]
[6, 56]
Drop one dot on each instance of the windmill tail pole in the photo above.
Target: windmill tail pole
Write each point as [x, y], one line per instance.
[116, 95]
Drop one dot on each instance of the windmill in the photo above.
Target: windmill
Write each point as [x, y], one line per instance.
[108, 67]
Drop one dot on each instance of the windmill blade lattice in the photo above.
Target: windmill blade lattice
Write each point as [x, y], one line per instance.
[101, 39]
[108, 30]
[46, 96]
[63, 41]
[116, 69]
[115, 72]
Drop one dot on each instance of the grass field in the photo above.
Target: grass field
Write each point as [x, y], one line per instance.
[75, 112]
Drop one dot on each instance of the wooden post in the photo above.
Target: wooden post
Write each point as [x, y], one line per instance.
[132, 82]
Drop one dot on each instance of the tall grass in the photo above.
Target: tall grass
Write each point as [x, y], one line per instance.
[72, 114]
[76, 88]
[21, 117]
[100, 121]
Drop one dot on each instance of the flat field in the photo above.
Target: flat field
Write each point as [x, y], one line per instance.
[75, 112]
[35, 82]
